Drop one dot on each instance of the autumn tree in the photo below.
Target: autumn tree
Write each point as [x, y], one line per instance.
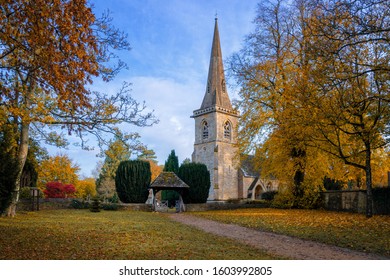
[85, 188]
[50, 51]
[351, 73]
[269, 69]
[59, 168]
[155, 169]
[150, 156]
[147, 154]
[314, 83]
[116, 152]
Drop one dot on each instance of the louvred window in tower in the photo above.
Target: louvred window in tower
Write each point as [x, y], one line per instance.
[205, 128]
[227, 130]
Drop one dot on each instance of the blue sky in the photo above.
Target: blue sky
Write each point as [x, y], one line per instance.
[168, 64]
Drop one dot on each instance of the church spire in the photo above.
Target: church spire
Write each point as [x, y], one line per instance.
[216, 93]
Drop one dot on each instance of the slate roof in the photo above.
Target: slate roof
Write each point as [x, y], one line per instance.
[167, 181]
[248, 167]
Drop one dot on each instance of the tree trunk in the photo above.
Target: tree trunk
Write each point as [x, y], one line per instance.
[369, 197]
[22, 156]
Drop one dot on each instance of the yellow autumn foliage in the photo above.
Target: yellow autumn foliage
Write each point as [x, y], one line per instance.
[85, 188]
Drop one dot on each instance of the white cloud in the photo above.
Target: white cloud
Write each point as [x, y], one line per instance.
[173, 103]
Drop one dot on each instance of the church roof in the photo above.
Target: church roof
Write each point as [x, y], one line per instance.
[216, 92]
[168, 181]
[248, 166]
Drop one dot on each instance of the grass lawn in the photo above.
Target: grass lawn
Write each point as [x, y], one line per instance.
[81, 234]
[348, 230]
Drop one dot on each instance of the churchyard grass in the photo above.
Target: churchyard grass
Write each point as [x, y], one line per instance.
[81, 234]
[349, 230]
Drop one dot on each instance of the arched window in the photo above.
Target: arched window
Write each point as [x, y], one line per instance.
[227, 130]
[205, 130]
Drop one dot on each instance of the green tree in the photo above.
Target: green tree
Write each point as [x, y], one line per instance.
[132, 180]
[171, 165]
[50, 53]
[8, 166]
[147, 154]
[197, 177]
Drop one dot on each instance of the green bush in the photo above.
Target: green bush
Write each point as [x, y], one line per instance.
[381, 197]
[197, 177]
[25, 193]
[95, 205]
[132, 181]
[110, 206]
[77, 204]
[268, 195]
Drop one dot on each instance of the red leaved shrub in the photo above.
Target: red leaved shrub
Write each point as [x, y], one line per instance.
[59, 190]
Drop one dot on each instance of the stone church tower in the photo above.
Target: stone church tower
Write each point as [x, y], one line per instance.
[216, 130]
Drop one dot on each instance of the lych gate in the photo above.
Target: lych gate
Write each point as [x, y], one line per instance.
[169, 181]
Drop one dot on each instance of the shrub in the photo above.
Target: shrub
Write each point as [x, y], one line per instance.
[25, 193]
[76, 204]
[381, 197]
[309, 199]
[332, 184]
[132, 181]
[110, 206]
[59, 190]
[268, 195]
[283, 199]
[95, 205]
[197, 177]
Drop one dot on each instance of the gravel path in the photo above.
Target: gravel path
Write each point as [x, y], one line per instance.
[276, 244]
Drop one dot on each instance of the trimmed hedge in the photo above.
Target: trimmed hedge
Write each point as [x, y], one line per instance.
[197, 177]
[381, 197]
[132, 181]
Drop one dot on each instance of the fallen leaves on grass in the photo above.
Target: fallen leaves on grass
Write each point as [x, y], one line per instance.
[348, 230]
[81, 234]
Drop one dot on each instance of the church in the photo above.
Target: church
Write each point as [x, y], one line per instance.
[215, 145]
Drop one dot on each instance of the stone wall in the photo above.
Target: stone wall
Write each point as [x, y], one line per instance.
[65, 203]
[355, 200]
[352, 201]
[222, 206]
